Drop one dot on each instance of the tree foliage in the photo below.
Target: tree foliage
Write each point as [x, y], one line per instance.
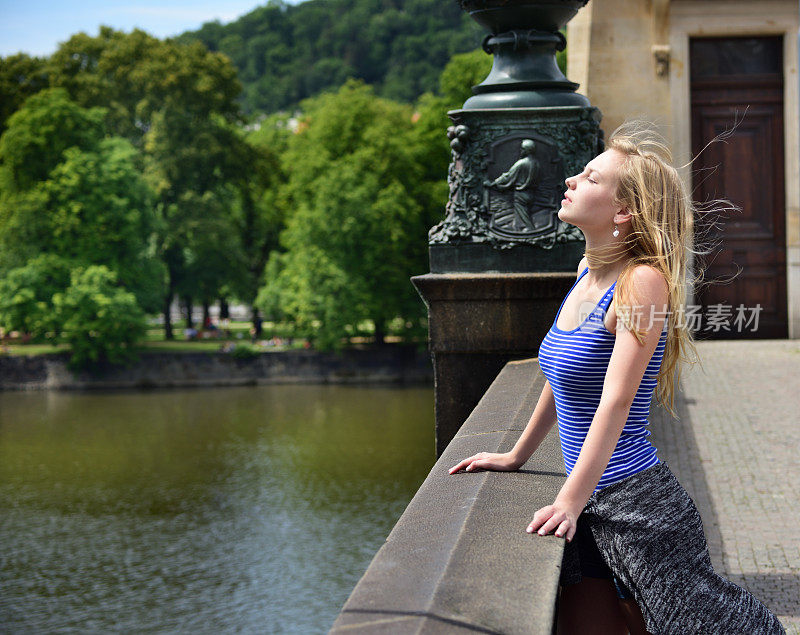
[39, 133]
[358, 226]
[461, 73]
[285, 53]
[20, 77]
[126, 163]
[176, 102]
[73, 193]
[83, 306]
[260, 205]
[367, 181]
[134, 76]
[99, 320]
[26, 296]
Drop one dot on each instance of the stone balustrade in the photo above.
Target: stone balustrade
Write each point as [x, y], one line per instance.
[459, 558]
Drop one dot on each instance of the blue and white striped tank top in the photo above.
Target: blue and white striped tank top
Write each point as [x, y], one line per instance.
[575, 363]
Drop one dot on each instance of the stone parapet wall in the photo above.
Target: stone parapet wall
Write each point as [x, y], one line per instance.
[459, 559]
[391, 364]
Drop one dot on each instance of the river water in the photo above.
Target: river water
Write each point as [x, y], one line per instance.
[252, 509]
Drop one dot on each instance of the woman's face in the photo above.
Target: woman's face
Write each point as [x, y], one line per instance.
[589, 200]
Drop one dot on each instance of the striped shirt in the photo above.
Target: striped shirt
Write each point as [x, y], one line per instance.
[575, 363]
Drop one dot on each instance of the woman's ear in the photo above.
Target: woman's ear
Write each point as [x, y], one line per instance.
[623, 215]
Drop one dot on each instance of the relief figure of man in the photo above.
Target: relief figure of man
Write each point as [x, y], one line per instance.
[521, 177]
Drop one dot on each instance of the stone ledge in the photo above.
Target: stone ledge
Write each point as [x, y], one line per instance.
[493, 286]
[508, 313]
[459, 559]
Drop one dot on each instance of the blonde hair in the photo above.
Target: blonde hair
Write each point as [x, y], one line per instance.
[662, 236]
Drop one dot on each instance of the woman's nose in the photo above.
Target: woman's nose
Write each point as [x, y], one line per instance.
[569, 181]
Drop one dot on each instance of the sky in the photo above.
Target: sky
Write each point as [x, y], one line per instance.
[37, 27]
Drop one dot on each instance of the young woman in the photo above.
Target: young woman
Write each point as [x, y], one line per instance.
[619, 335]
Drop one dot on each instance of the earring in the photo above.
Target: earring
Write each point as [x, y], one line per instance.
[615, 233]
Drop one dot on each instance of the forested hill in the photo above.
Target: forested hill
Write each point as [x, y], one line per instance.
[285, 53]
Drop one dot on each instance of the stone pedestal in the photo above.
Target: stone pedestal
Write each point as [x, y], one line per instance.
[478, 322]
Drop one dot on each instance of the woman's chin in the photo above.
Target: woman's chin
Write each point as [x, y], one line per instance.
[566, 219]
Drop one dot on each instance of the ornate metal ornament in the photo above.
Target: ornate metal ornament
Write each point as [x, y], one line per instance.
[507, 174]
[514, 142]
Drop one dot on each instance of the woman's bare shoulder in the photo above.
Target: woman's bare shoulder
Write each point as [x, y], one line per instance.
[650, 284]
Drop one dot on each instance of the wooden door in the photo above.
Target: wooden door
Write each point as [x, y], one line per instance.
[737, 86]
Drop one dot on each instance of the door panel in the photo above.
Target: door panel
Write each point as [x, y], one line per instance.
[747, 265]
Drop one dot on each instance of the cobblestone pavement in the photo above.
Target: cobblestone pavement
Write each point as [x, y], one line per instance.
[736, 450]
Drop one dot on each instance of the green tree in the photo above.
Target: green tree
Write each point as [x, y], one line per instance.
[357, 230]
[100, 320]
[260, 202]
[177, 102]
[102, 213]
[40, 132]
[211, 254]
[26, 296]
[134, 76]
[191, 165]
[20, 77]
[285, 53]
[85, 202]
[461, 73]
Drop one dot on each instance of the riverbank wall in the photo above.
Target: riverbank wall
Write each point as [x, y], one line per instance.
[390, 364]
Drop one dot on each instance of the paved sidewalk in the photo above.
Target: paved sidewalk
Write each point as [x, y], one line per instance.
[736, 449]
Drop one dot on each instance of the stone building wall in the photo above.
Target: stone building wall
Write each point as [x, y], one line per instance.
[610, 54]
[613, 52]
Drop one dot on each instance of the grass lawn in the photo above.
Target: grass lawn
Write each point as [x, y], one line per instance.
[32, 349]
[154, 341]
[236, 333]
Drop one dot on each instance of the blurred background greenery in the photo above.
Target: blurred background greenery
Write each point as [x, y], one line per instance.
[291, 161]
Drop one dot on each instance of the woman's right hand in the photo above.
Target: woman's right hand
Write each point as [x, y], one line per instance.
[504, 462]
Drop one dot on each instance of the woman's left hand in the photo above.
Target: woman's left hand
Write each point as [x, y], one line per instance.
[561, 517]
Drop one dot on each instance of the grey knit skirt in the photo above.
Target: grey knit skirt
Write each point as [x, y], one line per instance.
[650, 535]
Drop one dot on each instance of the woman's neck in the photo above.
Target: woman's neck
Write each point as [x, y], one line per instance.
[606, 261]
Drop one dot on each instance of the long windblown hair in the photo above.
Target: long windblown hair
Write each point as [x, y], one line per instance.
[662, 236]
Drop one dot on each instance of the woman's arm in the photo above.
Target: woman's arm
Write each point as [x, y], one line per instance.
[540, 423]
[542, 419]
[626, 368]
